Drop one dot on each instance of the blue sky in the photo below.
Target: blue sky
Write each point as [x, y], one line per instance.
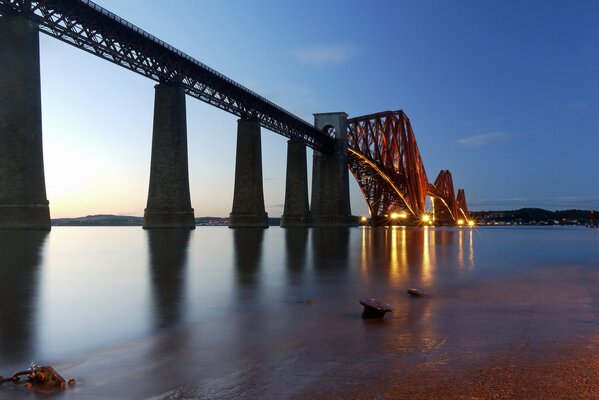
[502, 93]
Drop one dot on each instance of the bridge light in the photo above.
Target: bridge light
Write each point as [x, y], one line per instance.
[403, 215]
[426, 218]
[364, 219]
[471, 223]
[460, 222]
[394, 215]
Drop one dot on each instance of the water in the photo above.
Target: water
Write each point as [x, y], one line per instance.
[219, 313]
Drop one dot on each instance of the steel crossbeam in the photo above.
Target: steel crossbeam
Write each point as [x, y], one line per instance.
[385, 160]
[96, 30]
[386, 163]
[444, 192]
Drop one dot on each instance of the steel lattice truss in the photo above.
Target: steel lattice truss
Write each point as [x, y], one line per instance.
[96, 30]
[442, 192]
[462, 206]
[385, 160]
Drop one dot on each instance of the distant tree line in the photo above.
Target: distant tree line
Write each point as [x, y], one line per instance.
[534, 216]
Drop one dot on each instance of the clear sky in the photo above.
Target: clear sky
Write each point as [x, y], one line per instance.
[502, 93]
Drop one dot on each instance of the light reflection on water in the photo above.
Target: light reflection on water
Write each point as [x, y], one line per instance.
[238, 296]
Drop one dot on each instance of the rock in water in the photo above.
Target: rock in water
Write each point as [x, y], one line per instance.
[374, 308]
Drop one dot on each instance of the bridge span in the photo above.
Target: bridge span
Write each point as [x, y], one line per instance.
[86, 25]
[385, 160]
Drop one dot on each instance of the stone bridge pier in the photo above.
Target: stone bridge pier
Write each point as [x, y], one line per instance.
[248, 196]
[296, 211]
[169, 200]
[330, 176]
[23, 201]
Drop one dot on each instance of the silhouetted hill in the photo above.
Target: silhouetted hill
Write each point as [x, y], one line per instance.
[99, 220]
[532, 216]
[124, 220]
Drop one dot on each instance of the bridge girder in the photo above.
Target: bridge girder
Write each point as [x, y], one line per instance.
[385, 160]
[446, 209]
[88, 26]
[387, 164]
[462, 205]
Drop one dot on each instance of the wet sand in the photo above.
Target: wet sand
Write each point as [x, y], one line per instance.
[565, 371]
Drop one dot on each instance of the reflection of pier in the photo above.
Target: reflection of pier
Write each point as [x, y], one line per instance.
[330, 249]
[20, 251]
[168, 259]
[247, 244]
[296, 244]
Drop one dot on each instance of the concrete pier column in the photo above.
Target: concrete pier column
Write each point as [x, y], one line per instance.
[330, 176]
[23, 201]
[248, 197]
[297, 210]
[169, 201]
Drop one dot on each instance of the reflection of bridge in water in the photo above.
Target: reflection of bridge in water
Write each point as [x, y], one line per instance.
[380, 149]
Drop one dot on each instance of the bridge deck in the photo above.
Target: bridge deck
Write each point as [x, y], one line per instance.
[86, 25]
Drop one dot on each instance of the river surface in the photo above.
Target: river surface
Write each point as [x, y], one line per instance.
[219, 313]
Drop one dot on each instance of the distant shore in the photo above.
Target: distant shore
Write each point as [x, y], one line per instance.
[124, 220]
[523, 216]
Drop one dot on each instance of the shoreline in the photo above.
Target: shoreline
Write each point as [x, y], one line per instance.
[565, 370]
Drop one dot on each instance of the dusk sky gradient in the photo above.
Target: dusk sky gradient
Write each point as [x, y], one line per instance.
[502, 93]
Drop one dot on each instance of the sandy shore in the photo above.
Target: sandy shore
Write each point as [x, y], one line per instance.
[563, 371]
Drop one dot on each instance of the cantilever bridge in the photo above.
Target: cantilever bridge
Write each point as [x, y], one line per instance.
[380, 149]
[385, 160]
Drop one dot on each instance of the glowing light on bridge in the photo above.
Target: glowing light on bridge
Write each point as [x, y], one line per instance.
[426, 219]
[471, 223]
[460, 222]
[385, 160]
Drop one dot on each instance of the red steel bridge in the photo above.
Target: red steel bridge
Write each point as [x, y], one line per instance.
[383, 154]
[385, 160]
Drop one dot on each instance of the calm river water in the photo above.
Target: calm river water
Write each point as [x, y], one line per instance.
[219, 313]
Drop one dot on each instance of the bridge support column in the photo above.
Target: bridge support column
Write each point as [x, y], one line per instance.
[248, 197]
[169, 201]
[330, 177]
[297, 210]
[23, 201]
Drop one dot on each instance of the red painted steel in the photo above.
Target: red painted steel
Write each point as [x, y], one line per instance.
[462, 206]
[385, 160]
[444, 200]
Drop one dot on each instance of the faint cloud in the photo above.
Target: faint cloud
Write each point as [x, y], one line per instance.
[484, 139]
[485, 124]
[577, 105]
[298, 99]
[321, 56]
